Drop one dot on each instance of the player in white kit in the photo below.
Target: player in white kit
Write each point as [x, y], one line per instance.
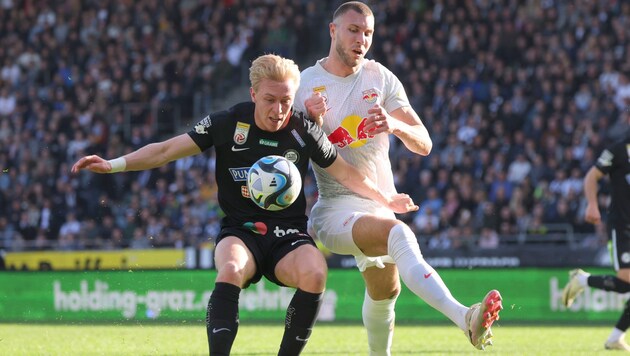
[359, 103]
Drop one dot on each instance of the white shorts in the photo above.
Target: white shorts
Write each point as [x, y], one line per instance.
[331, 221]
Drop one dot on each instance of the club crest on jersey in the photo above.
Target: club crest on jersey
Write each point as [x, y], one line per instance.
[322, 91]
[292, 155]
[370, 96]
[241, 132]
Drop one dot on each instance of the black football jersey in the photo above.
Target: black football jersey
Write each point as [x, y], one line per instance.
[239, 143]
[615, 162]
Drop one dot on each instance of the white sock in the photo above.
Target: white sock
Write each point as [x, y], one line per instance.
[616, 335]
[583, 279]
[378, 318]
[421, 278]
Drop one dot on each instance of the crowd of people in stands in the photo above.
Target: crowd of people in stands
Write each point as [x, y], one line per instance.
[519, 97]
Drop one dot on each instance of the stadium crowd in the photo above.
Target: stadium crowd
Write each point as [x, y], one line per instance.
[519, 97]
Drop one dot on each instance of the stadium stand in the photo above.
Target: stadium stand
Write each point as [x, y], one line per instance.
[519, 97]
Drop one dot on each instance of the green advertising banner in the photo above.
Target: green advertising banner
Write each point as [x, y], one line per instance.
[111, 296]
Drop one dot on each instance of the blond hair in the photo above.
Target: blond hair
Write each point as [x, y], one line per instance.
[273, 67]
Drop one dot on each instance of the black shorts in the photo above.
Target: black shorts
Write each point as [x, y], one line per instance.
[619, 235]
[269, 242]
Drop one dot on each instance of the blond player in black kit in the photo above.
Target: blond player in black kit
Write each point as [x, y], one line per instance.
[614, 162]
[254, 242]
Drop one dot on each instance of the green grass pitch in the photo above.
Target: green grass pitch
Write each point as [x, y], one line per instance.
[263, 339]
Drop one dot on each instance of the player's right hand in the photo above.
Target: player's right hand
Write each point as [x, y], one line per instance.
[316, 107]
[92, 163]
[401, 203]
[592, 214]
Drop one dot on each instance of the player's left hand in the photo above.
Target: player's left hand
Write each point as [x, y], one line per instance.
[92, 163]
[379, 121]
[401, 203]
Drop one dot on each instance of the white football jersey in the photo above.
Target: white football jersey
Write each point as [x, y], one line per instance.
[348, 100]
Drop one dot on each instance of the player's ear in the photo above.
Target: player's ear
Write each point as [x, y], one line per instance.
[252, 93]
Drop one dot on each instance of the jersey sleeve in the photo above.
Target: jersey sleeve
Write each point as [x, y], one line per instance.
[394, 95]
[323, 153]
[606, 160]
[300, 97]
[210, 131]
[307, 77]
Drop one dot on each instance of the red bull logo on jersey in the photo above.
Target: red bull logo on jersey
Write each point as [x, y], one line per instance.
[370, 96]
[351, 133]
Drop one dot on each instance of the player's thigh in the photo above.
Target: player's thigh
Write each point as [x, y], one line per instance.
[234, 261]
[370, 233]
[382, 283]
[304, 268]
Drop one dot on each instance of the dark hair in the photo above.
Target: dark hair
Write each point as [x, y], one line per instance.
[357, 6]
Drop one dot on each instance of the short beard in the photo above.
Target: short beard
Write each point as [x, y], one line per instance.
[350, 62]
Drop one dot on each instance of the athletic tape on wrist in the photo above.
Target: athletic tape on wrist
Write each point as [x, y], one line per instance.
[118, 164]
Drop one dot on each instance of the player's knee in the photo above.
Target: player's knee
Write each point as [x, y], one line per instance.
[313, 280]
[231, 272]
[384, 293]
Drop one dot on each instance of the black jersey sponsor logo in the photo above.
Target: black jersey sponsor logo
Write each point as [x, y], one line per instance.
[280, 232]
[245, 192]
[256, 227]
[298, 138]
[239, 174]
[269, 143]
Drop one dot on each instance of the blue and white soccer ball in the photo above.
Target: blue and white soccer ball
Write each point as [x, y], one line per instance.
[274, 183]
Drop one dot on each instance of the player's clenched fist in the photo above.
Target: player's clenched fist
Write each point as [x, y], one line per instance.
[592, 214]
[316, 107]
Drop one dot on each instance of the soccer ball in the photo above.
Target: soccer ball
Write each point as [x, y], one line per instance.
[274, 183]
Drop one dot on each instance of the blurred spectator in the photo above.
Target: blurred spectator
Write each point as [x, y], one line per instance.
[519, 100]
[488, 239]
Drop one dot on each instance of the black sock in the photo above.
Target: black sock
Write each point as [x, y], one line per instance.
[301, 316]
[222, 318]
[624, 320]
[608, 283]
